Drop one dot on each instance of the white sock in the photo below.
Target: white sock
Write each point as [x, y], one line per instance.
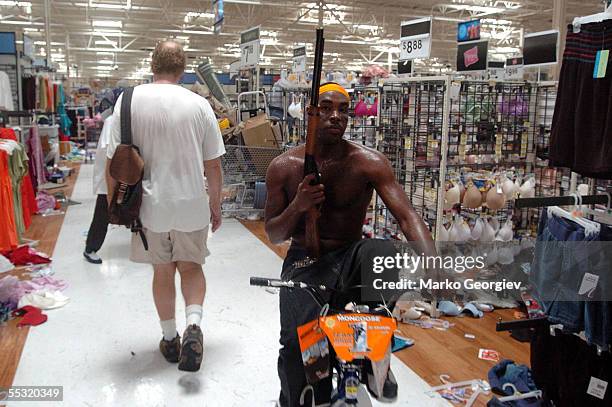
[168, 329]
[194, 314]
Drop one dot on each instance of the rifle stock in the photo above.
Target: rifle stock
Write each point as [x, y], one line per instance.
[313, 245]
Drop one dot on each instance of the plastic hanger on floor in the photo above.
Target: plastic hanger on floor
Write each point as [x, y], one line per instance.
[517, 395]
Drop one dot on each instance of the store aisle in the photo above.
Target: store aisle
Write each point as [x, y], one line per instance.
[102, 346]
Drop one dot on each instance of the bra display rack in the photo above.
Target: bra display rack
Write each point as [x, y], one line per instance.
[412, 132]
[496, 138]
[363, 110]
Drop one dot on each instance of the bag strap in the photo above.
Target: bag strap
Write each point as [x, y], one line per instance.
[126, 116]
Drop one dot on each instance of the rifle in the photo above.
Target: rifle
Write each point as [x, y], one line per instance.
[310, 165]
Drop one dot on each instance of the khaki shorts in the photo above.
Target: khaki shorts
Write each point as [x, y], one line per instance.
[169, 247]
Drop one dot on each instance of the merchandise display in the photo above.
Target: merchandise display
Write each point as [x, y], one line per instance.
[360, 203]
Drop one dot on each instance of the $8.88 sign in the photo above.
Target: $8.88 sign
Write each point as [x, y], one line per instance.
[415, 47]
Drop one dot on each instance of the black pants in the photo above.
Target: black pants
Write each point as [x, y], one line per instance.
[338, 269]
[99, 225]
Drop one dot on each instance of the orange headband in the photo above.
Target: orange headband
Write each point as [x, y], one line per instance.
[333, 87]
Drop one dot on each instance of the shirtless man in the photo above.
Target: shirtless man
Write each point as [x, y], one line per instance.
[349, 175]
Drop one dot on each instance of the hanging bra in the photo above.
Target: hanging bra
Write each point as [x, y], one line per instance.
[362, 109]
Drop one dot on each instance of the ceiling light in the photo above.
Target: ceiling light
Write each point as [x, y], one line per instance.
[366, 27]
[104, 68]
[106, 62]
[15, 3]
[107, 23]
[107, 33]
[192, 15]
[105, 53]
[477, 9]
[105, 42]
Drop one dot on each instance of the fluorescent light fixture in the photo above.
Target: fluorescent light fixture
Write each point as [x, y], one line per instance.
[505, 50]
[269, 41]
[8, 3]
[107, 23]
[44, 43]
[20, 22]
[484, 9]
[105, 53]
[106, 62]
[366, 27]
[192, 15]
[104, 68]
[107, 33]
[105, 42]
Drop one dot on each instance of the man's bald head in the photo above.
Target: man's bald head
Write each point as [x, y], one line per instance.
[168, 59]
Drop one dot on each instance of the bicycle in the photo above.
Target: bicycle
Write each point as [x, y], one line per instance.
[361, 340]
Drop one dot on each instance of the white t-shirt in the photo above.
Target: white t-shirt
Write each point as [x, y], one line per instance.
[99, 179]
[176, 131]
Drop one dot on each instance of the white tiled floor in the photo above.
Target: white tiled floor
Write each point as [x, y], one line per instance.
[102, 346]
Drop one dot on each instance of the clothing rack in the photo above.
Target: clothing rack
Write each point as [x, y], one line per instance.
[560, 201]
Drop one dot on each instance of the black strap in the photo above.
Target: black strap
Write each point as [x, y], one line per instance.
[126, 116]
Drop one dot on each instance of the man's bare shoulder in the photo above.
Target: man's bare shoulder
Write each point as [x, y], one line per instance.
[288, 162]
[366, 156]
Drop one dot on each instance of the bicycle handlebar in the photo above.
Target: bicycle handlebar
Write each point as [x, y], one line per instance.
[273, 282]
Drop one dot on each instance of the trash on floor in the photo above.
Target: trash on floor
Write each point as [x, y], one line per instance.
[489, 354]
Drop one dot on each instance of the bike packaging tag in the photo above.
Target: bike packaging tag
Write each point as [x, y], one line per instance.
[127, 168]
[315, 351]
[352, 336]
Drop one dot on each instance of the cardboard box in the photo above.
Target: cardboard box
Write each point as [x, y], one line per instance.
[64, 147]
[258, 132]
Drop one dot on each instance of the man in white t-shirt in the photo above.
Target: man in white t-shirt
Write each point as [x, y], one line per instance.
[180, 142]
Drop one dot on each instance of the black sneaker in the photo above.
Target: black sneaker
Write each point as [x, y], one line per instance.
[192, 349]
[92, 257]
[171, 349]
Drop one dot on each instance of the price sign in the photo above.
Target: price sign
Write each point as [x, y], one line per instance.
[299, 59]
[249, 48]
[415, 40]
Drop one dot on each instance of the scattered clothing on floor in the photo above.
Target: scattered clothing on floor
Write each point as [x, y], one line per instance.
[31, 316]
[25, 255]
[45, 283]
[44, 299]
[399, 343]
[5, 264]
[449, 308]
[519, 376]
[5, 312]
[10, 291]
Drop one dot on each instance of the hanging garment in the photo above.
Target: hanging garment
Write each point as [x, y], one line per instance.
[6, 93]
[8, 229]
[37, 158]
[18, 167]
[582, 122]
[64, 121]
[28, 89]
[567, 257]
[28, 200]
[364, 109]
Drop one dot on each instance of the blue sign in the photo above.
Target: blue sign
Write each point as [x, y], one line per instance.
[468, 31]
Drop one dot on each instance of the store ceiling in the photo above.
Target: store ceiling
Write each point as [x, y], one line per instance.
[114, 38]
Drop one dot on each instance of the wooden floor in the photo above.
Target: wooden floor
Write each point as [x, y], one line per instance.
[448, 352]
[45, 230]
